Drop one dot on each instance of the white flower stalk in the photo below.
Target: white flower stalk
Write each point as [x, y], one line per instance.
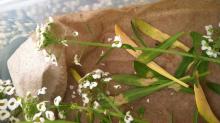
[50, 115]
[77, 60]
[3, 104]
[42, 120]
[97, 74]
[128, 118]
[42, 106]
[42, 91]
[4, 114]
[13, 119]
[13, 104]
[6, 83]
[117, 42]
[57, 100]
[9, 90]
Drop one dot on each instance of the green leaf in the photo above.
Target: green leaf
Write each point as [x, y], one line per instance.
[141, 111]
[137, 34]
[196, 38]
[149, 56]
[104, 55]
[127, 46]
[56, 121]
[214, 87]
[195, 116]
[183, 66]
[132, 80]
[140, 68]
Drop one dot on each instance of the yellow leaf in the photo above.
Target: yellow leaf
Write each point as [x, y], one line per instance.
[203, 106]
[156, 34]
[75, 75]
[151, 64]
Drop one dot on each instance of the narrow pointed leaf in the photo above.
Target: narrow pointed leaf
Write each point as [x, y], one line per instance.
[137, 34]
[149, 56]
[151, 64]
[156, 34]
[203, 106]
[132, 80]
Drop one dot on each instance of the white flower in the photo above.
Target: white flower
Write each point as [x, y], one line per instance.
[209, 29]
[61, 115]
[117, 42]
[128, 118]
[51, 20]
[42, 106]
[42, 91]
[75, 33]
[97, 74]
[12, 119]
[85, 99]
[57, 100]
[93, 85]
[4, 114]
[3, 104]
[77, 60]
[1, 82]
[64, 42]
[86, 84]
[42, 120]
[12, 104]
[37, 115]
[96, 105]
[6, 82]
[117, 86]
[1, 88]
[9, 90]
[54, 60]
[50, 115]
[107, 79]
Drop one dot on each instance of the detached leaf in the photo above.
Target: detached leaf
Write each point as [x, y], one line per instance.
[214, 87]
[149, 56]
[75, 75]
[151, 64]
[203, 106]
[156, 34]
[137, 34]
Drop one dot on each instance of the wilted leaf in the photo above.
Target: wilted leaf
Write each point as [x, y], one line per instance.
[203, 106]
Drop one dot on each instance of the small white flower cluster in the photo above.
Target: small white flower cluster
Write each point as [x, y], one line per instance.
[7, 105]
[206, 45]
[128, 118]
[89, 82]
[41, 30]
[42, 108]
[117, 42]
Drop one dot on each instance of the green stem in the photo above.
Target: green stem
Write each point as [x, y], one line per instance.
[148, 49]
[100, 111]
